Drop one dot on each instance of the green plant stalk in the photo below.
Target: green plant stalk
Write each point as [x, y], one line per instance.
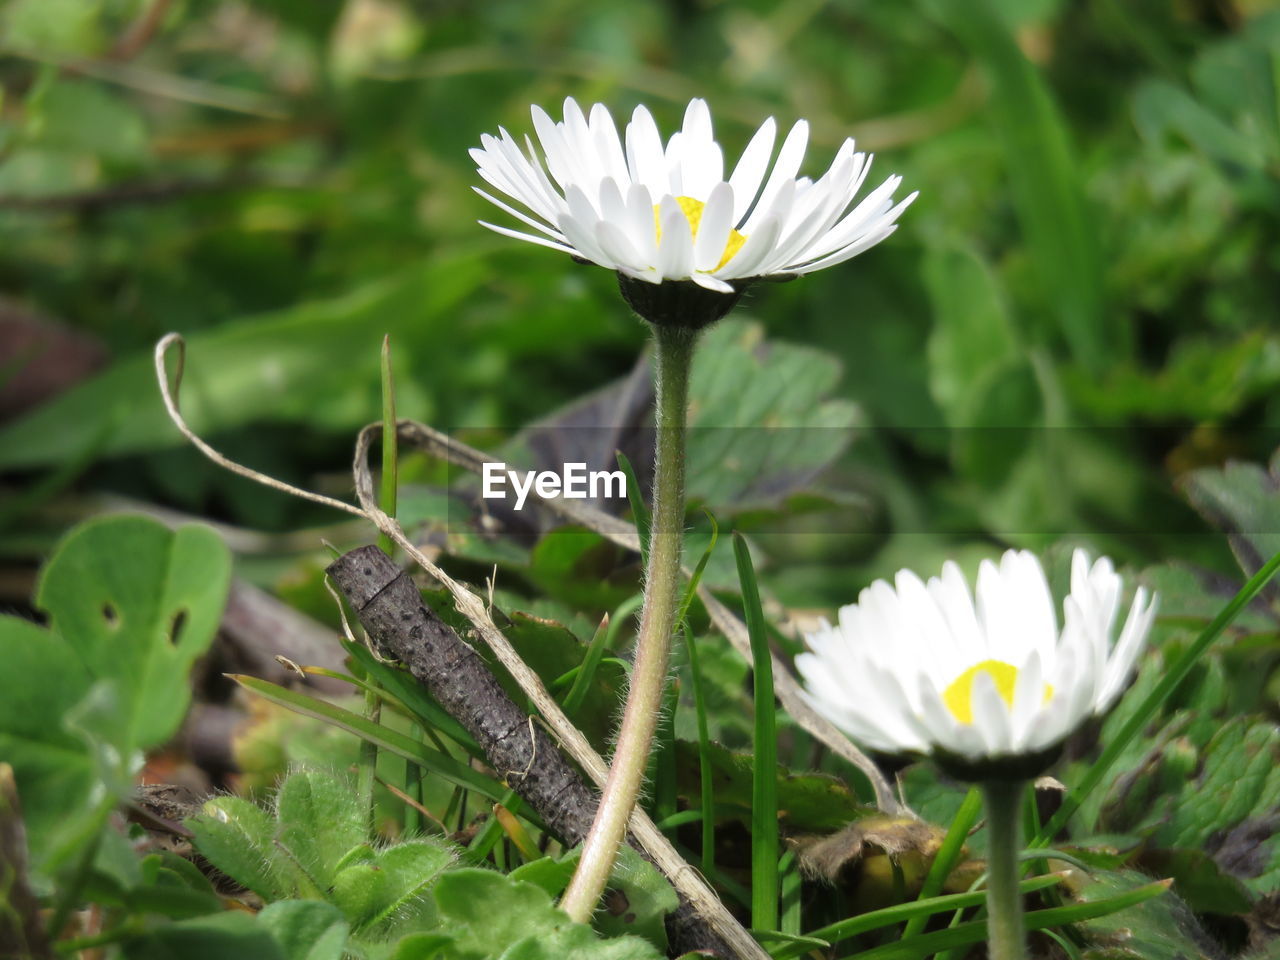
[657, 622]
[1003, 801]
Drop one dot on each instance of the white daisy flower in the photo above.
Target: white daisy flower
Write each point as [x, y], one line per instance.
[657, 213]
[922, 668]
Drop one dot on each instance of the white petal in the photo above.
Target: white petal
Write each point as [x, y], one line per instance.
[991, 715]
[608, 145]
[675, 250]
[641, 225]
[700, 158]
[760, 242]
[644, 153]
[784, 171]
[617, 247]
[847, 253]
[750, 169]
[713, 228]
[1028, 700]
[541, 241]
[554, 149]
[707, 280]
[868, 216]
[536, 224]
[951, 593]
[1132, 640]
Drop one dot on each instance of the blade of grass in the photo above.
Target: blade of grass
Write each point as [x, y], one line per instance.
[791, 918]
[639, 509]
[515, 830]
[706, 798]
[414, 802]
[602, 641]
[664, 798]
[691, 590]
[888, 916]
[976, 931]
[1173, 675]
[452, 770]
[948, 855]
[764, 776]
[483, 842]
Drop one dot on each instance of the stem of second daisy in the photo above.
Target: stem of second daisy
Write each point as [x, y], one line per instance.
[657, 624]
[1005, 936]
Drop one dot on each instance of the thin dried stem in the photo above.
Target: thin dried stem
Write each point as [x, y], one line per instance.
[170, 395]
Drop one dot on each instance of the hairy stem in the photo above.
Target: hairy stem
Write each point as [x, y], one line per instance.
[657, 622]
[1005, 936]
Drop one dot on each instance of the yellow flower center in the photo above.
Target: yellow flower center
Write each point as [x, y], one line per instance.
[958, 697]
[692, 210]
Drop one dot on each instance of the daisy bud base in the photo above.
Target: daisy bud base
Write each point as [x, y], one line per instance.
[678, 303]
[1007, 768]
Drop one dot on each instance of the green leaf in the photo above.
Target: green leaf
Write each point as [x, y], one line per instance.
[807, 802]
[52, 765]
[131, 605]
[492, 915]
[755, 447]
[1159, 928]
[639, 896]
[1241, 499]
[53, 26]
[139, 603]
[1229, 809]
[388, 890]
[306, 929]
[232, 935]
[238, 837]
[321, 821]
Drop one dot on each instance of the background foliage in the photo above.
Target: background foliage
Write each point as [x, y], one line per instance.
[1071, 340]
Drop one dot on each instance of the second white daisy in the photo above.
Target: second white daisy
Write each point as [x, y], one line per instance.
[658, 212]
[923, 668]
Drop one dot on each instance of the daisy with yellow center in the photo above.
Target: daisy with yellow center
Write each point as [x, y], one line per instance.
[932, 668]
[984, 682]
[660, 212]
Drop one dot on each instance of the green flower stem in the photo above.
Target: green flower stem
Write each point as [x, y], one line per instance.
[1005, 936]
[657, 623]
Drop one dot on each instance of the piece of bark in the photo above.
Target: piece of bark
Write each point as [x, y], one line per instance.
[391, 609]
